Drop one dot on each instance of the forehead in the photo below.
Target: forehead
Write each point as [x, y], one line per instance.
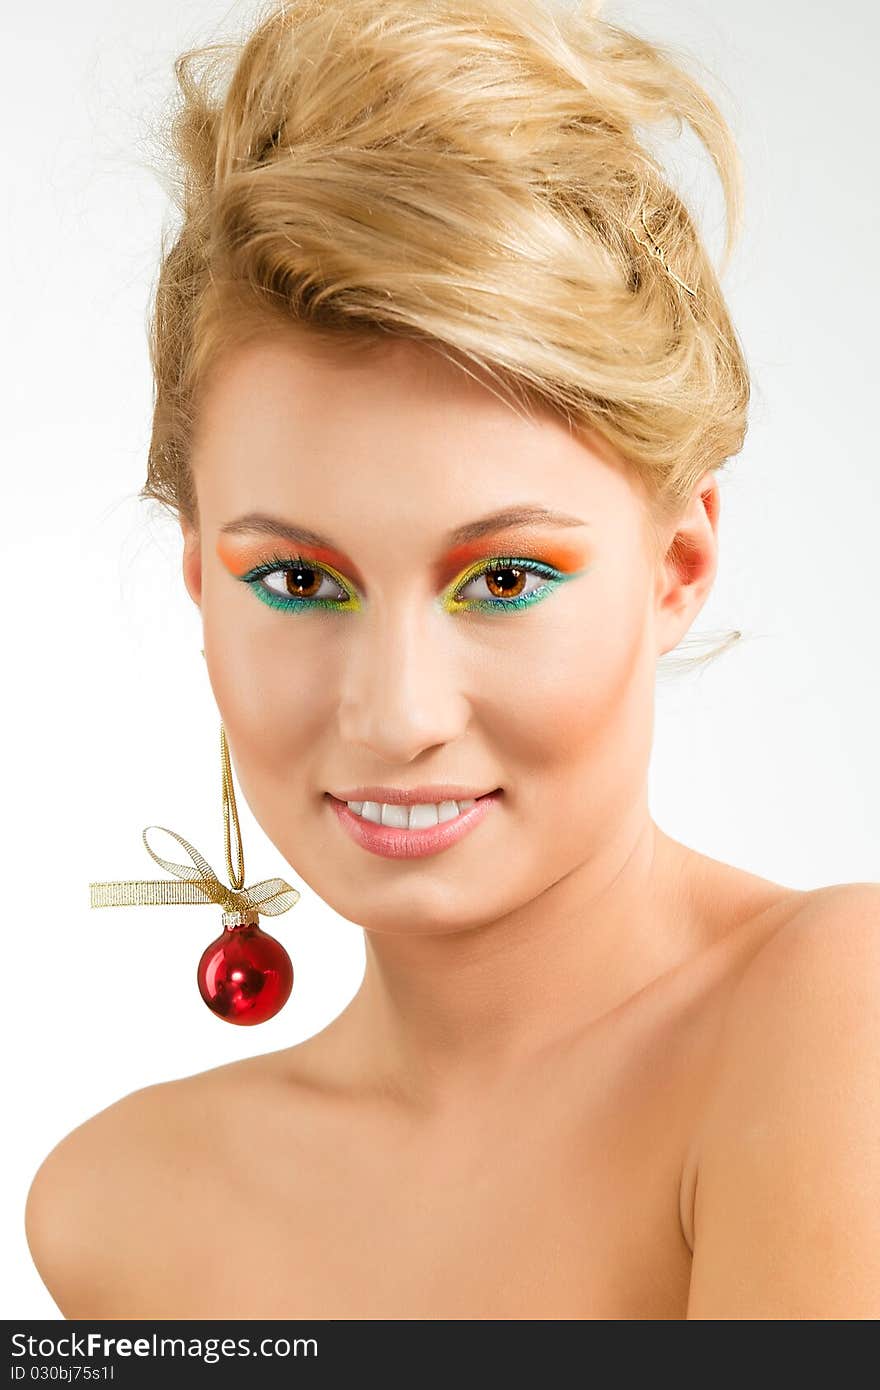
[294, 370]
[360, 431]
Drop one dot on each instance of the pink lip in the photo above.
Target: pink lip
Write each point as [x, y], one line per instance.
[392, 842]
[395, 796]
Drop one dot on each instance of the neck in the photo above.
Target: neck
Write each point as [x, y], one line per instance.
[440, 1016]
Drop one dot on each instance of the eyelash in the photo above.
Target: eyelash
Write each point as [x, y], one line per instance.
[274, 564]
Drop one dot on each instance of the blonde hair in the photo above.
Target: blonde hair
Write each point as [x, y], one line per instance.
[466, 173]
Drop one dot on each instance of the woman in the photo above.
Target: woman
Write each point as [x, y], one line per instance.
[444, 380]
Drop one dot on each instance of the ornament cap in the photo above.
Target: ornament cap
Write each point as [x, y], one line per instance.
[247, 917]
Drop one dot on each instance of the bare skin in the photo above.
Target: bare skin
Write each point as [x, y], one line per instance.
[535, 1088]
[562, 1190]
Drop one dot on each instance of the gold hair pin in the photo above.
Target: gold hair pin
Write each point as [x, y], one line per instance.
[656, 250]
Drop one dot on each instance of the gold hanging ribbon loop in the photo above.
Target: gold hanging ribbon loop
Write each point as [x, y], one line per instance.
[270, 896]
[230, 816]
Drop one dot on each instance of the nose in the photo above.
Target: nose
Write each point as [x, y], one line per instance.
[400, 692]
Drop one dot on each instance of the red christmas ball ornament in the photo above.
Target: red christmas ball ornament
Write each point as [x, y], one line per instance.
[245, 976]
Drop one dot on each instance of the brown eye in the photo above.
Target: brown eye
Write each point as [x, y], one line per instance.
[302, 582]
[500, 586]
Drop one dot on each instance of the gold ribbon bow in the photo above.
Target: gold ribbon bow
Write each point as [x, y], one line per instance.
[201, 885]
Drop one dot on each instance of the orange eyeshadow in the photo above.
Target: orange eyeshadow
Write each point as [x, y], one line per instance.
[522, 544]
[239, 556]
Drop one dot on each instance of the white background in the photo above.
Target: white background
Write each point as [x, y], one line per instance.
[769, 759]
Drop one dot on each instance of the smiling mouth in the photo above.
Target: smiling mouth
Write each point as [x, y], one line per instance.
[412, 816]
[394, 837]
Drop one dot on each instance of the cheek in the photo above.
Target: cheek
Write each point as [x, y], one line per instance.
[577, 744]
[271, 689]
[581, 681]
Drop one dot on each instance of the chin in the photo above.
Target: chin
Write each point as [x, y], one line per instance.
[417, 914]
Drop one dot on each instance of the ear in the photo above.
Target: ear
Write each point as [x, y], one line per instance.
[192, 562]
[687, 571]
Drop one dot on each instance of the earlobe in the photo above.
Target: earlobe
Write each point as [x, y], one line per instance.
[192, 564]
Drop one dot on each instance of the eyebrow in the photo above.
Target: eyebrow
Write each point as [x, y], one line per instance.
[507, 519]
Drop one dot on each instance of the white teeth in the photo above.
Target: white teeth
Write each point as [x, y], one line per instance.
[410, 817]
[422, 815]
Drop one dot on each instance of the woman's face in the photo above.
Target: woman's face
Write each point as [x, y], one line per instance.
[382, 655]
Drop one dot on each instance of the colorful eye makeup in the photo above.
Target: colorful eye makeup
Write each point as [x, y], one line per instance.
[298, 582]
[507, 585]
[497, 582]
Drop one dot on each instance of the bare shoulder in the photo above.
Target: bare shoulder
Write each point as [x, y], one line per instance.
[98, 1202]
[818, 960]
[785, 1219]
